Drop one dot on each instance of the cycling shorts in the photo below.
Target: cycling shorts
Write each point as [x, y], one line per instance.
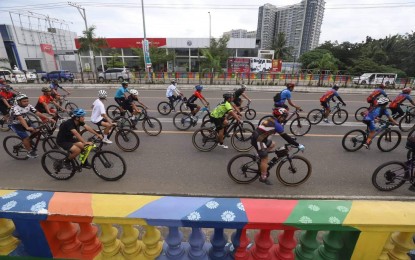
[3, 109]
[19, 130]
[66, 145]
[119, 101]
[192, 106]
[260, 147]
[218, 122]
[370, 124]
[325, 105]
[100, 122]
[281, 105]
[237, 102]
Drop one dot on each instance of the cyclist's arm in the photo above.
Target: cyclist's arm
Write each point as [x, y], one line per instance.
[289, 139]
[392, 120]
[234, 115]
[5, 102]
[293, 105]
[67, 92]
[246, 97]
[42, 116]
[24, 123]
[235, 108]
[341, 100]
[45, 105]
[141, 103]
[177, 91]
[57, 105]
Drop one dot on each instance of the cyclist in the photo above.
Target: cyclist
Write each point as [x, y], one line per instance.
[69, 137]
[99, 116]
[194, 108]
[122, 94]
[327, 97]
[20, 125]
[237, 97]
[263, 145]
[43, 102]
[54, 86]
[284, 95]
[6, 95]
[373, 116]
[395, 105]
[372, 98]
[170, 94]
[218, 116]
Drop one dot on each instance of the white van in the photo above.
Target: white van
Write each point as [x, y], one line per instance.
[376, 79]
[13, 76]
[260, 65]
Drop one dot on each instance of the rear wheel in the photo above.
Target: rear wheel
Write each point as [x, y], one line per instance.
[244, 168]
[108, 165]
[407, 122]
[70, 106]
[14, 147]
[339, 117]
[164, 108]
[390, 176]
[49, 143]
[241, 139]
[127, 140]
[54, 163]
[315, 116]
[182, 121]
[152, 126]
[250, 114]
[205, 139]
[354, 140]
[294, 171]
[360, 113]
[389, 140]
[300, 126]
[113, 111]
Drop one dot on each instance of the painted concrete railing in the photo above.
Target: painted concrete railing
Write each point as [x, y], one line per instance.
[102, 226]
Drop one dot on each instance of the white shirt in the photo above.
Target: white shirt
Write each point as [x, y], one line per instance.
[171, 90]
[97, 111]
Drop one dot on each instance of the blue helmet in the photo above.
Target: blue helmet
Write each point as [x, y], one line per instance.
[199, 87]
[78, 112]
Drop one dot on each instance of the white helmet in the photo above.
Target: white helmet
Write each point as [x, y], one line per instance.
[134, 92]
[21, 96]
[383, 101]
[102, 93]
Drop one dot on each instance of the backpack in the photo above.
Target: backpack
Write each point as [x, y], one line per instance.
[373, 96]
[277, 97]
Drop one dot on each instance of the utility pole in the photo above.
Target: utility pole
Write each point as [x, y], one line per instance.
[146, 47]
[91, 53]
[210, 28]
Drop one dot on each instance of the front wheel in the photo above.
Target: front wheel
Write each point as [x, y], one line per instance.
[108, 165]
[300, 126]
[14, 147]
[360, 113]
[354, 140]
[54, 163]
[389, 140]
[241, 139]
[127, 140]
[205, 139]
[407, 122]
[182, 121]
[390, 176]
[70, 106]
[244, 168]
[49, 143]
[250, 114]
[294, 171]
[152, 126]
[315, 116]
[164, 108]
[339, 117]
[113, 111]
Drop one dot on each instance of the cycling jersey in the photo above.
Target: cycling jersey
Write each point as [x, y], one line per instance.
[238, 92]
[65, 134]
[375, 94]
[285, 94]
[221, 110]
[171, 90]
[17, 110]
[120, 92]
[267, 128]
[376, 113]
[98, 109]
[43, 99]
[399, 100]
[7, 94]
[194, 97]
[54, 86]
[329, 95]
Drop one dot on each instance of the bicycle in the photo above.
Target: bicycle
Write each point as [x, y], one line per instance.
[407, 122]
[299, 126]
[63, 169]
[13, 144]
[250, 113]
[205, 139]
[339, 115]
[388, 140]
[165, 108]
[114, 111]
[184, 120]
[292, 169]
[69, 106]
[151, 125]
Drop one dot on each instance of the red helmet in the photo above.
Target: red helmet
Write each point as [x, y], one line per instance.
[407, 90]
[280, 112]
[290, 85]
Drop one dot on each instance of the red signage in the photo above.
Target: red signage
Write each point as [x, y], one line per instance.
[276, 66]
[238, 65]
[47, 48]
[129, 42]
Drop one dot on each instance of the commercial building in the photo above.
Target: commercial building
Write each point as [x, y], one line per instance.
[240, 33]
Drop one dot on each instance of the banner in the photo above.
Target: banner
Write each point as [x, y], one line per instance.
[47, 48]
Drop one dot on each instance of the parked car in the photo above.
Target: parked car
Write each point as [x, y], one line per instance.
[119, 74]
[30, 76]
[6, 75]
[60, 75]
[13, 76]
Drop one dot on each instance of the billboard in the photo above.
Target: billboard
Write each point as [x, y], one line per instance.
[276, 66]
[238, 65]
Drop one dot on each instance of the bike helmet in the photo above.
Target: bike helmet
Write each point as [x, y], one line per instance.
[406, 90]
[102, 94]
[199, 88]
[335, 87]
[280, 112]
[243, 86]
[134, 92]
[228, 95]
[124, 83]
[173, 81]
[78, 112]
[383, 101]
[46, 89]
[21, 96]
[291, 85]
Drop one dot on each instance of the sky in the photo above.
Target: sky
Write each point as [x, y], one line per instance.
[344, 20]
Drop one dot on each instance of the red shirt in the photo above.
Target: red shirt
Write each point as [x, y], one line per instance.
[6, 94]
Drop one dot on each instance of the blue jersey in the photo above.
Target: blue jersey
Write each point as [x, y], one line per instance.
[269, 127]
[120, 92]
[376, 112]
[285, 94]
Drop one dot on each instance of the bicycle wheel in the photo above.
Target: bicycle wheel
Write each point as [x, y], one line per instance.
[33, 120]
[182, 121]
[184, 107]
[49, 143]
[152, 126]
[264, 118]
[294, 171]
[249, 125]
[14, 147]
[300, 126]
[360, 112]
[206, 118]
[389, 140]
[90, 137]
[407, 122]
[315, 116]
[53, 163]
[108, 165]
[241, 139]
[140, 116]
[127, 140]
[205, 139]
[244, 168]
[113, 111]
[354, 140]
[250, 114]
[164, 108]
[390, 176]
[70, 106]
[340, 116]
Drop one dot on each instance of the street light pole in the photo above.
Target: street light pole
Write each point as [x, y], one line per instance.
[144, 47]
[210, 28]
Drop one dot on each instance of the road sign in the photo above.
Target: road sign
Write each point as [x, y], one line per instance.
[146, 51]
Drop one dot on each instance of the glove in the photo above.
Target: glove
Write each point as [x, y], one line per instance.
[301, 147]
[344, 104]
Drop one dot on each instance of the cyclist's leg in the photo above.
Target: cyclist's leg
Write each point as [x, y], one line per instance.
[107, 126]
[171, 100]
[193, 108]
[326, 107]
[23, 134]
[262, 147]
[74, 150]
[372, 131]
[119, 101]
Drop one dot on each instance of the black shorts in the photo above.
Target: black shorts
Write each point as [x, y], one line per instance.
[127, 106]
[102, 120]
[119, 101]
[325, 104]
[192, 106]
[218, 122]
[66, 145]
[283, 106]
[3, 109]
[237, 102]
[260, 147]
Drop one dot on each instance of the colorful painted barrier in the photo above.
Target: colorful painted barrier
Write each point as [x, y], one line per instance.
[107, 226]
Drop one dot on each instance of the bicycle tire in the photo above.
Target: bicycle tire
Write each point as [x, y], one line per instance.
[113, 111]
[398, 171]
[250, 114]
[249, 125]
[164, 108]
[182, 121]
[70, 106]
[356, 138]
[206, 118]
[140, 116]
[241, 139]
[292, 173]
[59, 170]
[315, 116]
[14, 147]
[184, 107]
[152, 126]
[241, 165]
[264, 118]
[49, 143]
[300, 126]
[358, 115]
[388, 137]
[205, 139]
[407, 122]
[339, 117]
[207, 124]
[33, 120]
[100, 162]
[127, 140]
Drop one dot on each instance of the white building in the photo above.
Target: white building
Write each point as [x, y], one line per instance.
[240, 33]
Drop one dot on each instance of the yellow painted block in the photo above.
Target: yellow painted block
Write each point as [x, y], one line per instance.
[4, 192]
[370, 245]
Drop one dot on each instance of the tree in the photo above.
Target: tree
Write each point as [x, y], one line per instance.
[279, 45]
[89, 42]
[159, 57]
[309, 57]
[115, 61]
[216, 56]
[326, 63]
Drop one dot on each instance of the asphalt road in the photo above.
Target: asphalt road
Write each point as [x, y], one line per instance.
[168, 164]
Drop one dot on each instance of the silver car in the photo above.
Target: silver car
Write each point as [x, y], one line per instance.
[118, 74]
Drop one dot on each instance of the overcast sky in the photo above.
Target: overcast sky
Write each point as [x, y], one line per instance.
[344, 20]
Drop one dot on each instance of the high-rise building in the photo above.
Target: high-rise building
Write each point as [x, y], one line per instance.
[301, 24]
[240, 33]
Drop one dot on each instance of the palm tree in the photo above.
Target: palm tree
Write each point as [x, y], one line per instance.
[89, 43]
[280, 48]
